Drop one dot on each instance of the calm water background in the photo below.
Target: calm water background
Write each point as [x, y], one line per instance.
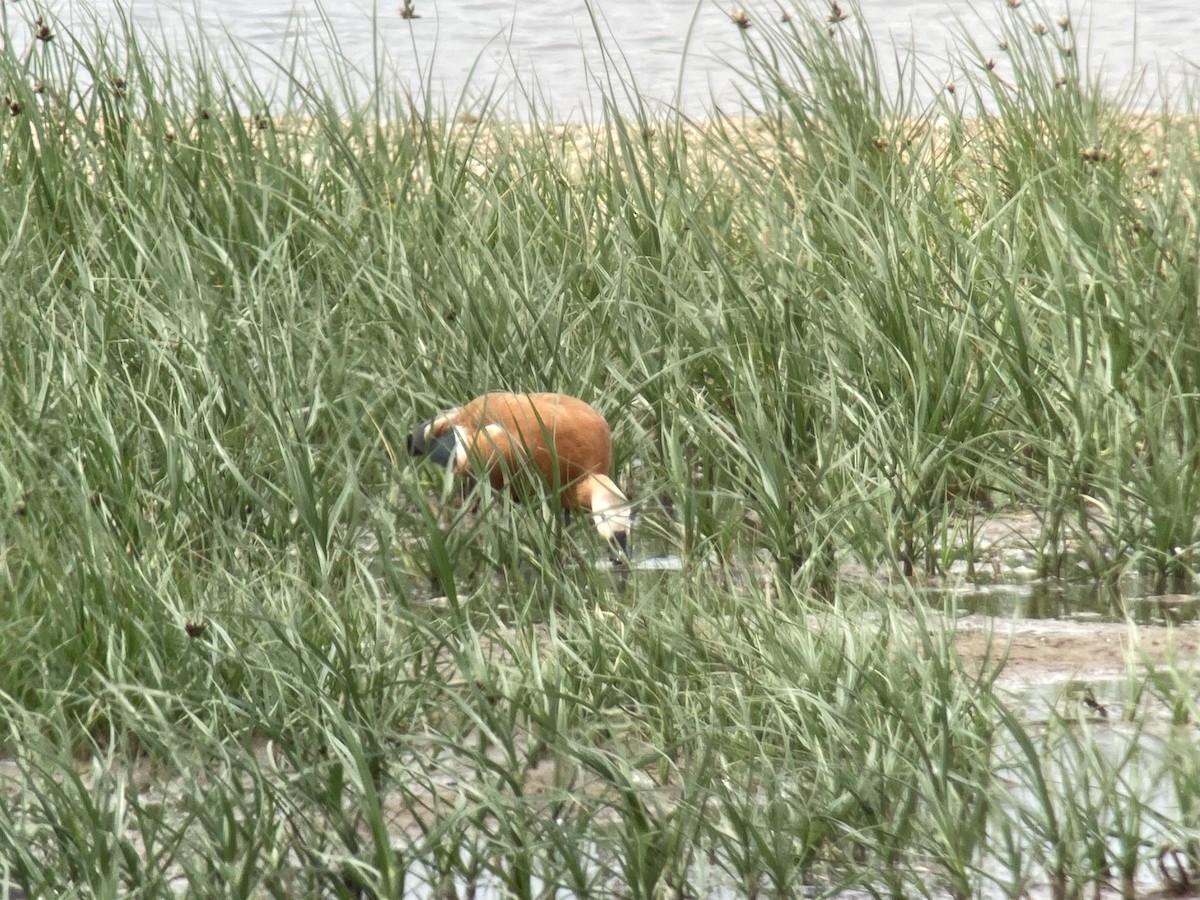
[678, 52]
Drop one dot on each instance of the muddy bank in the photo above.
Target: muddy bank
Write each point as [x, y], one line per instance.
[1033, 649]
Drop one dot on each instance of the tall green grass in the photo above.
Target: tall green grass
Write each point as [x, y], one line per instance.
[830, 336]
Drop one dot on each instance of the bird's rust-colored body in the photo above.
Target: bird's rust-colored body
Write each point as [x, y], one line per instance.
[512, 438]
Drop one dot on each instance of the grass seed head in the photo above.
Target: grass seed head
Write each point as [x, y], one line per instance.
[194, 628]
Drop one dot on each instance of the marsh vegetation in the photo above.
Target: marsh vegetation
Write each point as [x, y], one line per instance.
[834, 335]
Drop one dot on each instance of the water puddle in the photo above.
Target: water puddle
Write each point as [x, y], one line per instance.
[670, 563]
[1129, 600]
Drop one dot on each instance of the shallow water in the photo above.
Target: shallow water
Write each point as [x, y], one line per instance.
[1084, 602]
[1131, 599]
[678, 52]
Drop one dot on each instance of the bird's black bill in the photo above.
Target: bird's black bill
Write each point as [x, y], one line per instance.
[416, 440]
[619, 555]
[621, 544]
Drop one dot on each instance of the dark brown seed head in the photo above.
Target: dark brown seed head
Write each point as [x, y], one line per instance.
[194, 629]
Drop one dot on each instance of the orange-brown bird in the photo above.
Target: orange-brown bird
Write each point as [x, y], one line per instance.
[510, 438]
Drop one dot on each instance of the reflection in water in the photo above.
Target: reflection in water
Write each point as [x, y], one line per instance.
[1130, 598]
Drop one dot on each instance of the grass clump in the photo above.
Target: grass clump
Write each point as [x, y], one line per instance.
[831, 336]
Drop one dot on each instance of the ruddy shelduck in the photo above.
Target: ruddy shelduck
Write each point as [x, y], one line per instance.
[512, 438]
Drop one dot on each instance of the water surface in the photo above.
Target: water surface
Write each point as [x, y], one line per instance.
[567, 55]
